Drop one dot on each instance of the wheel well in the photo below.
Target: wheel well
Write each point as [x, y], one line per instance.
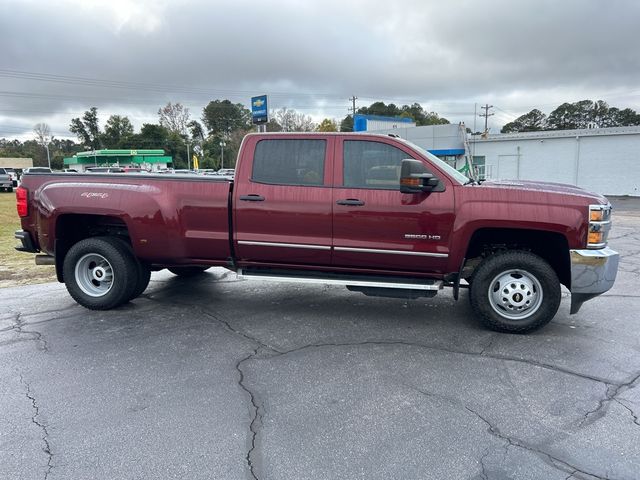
[551, 246]
[71, 228]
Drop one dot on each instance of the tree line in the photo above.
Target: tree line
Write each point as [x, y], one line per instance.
[223, 124]
[218, 133]
[570, 116]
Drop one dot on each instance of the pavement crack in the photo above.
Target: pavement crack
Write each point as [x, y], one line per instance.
[492, 339]
[510, 441]
[494, 356]
[610, 396]
[227, 325]
[257, 413]
[43, 427]
[18, 327]
[635, 417]
[557, 463]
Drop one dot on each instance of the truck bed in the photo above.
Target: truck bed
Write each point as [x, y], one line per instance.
[170, 219]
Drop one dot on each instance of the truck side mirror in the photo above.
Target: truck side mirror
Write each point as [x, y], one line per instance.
[414, 179]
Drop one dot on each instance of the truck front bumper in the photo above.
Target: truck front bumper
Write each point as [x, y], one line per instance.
[593, 272]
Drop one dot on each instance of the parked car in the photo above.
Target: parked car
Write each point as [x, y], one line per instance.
[14, 176]
[374, 213]
[185, 171]
[227, 172]
[105, 170]
[6, 183]
[38, 170]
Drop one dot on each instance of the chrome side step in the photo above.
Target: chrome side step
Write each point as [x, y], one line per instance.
[344, 280]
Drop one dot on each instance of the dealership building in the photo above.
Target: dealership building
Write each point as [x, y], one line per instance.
[602, 160]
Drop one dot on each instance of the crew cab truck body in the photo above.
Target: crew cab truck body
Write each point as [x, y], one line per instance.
[372, 212]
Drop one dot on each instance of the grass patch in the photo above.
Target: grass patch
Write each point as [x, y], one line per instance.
[17, 268]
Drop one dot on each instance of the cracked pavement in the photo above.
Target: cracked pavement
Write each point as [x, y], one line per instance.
[220, 378]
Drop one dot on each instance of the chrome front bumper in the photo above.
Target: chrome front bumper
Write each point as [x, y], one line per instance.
[593, 272]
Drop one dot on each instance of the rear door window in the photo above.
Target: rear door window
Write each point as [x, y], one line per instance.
[289, 162]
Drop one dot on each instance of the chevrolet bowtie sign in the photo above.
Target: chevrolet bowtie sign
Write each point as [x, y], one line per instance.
[259, 110]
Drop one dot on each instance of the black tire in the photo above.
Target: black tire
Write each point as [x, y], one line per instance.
[10, 189]
[86, 259]
[515, 292]
[143, 271]
[144, 275]
[190, 271]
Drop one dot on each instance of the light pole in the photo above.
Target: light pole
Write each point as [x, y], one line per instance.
[46, 145]
[188, 157]
[222, 145]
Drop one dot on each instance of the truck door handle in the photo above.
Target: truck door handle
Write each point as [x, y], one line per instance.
[252, 198]
[351, 201]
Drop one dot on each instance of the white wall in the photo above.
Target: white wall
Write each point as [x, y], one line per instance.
[606, 164]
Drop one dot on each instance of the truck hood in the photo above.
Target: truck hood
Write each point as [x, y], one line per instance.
[545, 187]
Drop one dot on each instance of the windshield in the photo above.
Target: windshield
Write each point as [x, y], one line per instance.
[455, 174]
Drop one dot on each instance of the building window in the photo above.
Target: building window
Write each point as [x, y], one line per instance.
[289, 162]
[368, 164]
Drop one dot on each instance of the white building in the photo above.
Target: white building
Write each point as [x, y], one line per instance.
[602, 160]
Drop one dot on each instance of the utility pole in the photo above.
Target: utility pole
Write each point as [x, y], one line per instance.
[486, 116]
[353, 102]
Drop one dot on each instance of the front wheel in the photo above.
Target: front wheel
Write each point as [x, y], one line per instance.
[515, 291]
[100, 273]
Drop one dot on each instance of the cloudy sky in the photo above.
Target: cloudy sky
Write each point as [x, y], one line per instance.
[60, 57]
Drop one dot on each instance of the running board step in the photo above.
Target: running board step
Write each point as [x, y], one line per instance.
[369, 281]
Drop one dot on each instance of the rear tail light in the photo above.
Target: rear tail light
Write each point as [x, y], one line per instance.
[22, 196]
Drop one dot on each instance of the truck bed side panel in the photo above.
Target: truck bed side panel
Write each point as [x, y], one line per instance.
[169, 220]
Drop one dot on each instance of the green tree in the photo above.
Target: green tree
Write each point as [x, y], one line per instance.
[222, 117]
[196, 130]
[346, 125]
[625, 118]
[117, 132]
[152, 135]
[273, 126]
[87, 130]
[413, 111]
[327, 125]
[380, 108]
[533, 121]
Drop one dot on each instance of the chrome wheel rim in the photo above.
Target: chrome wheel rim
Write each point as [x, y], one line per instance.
[515, 294]
[94, 275]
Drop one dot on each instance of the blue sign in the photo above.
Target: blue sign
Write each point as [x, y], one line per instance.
[259, 110]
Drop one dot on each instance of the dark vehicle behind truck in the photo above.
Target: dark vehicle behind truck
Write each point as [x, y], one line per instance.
[371, 212]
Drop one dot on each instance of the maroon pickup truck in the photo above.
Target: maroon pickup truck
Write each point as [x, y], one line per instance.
[374, 213]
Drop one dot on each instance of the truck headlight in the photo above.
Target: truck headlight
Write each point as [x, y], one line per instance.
[599, 225]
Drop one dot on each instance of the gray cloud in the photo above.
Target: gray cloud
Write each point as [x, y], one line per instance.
[313, 55]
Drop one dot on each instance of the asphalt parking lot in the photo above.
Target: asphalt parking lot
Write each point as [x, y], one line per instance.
[223, 379]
